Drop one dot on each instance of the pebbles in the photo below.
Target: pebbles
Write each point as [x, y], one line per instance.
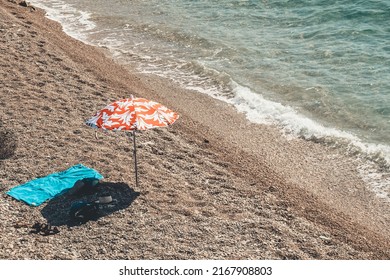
[201, 196]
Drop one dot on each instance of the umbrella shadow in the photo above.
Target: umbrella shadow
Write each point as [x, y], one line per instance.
[58, 211]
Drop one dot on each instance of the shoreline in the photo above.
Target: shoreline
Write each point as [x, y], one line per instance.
[203, 181]
[372, 159]
[374, 155]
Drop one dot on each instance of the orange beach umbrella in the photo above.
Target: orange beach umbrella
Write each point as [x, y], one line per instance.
[132, 114]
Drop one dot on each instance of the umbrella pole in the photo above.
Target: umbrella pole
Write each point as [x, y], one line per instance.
[135, 160]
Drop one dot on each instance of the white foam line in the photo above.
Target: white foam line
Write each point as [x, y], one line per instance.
[260, 110]
[74, 22]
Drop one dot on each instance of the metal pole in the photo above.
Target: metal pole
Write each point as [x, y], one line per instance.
[135, 160]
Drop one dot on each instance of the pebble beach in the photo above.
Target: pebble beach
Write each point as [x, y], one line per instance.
[212, 185]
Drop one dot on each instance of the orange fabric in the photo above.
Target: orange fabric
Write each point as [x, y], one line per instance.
[133, 114]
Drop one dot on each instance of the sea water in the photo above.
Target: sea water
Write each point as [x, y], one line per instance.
[317, 69]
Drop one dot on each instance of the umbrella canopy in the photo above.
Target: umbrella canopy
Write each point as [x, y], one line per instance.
[132, 114]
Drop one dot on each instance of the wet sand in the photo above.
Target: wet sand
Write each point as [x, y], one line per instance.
[212, 186]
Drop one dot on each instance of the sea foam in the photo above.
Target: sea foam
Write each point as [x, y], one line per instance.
[74, 22]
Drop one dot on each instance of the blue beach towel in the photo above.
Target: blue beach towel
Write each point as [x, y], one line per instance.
[39, 190]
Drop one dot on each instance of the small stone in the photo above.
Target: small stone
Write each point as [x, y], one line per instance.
[24, 3]
[325, 238]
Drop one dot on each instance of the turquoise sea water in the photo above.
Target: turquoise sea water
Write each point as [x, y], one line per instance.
[318, 69]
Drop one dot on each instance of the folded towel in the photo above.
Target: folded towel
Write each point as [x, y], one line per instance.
[39, 190]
